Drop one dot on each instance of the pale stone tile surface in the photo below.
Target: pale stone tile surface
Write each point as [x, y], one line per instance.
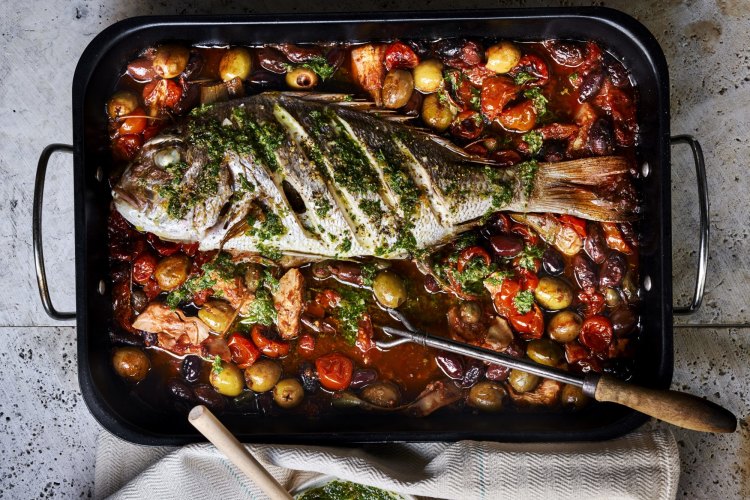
[46, 433]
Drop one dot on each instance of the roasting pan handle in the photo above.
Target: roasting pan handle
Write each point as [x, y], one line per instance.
[700, 173]
[41, 274]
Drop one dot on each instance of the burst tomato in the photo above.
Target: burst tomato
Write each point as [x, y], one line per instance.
[334, 371]
[530, 325]
[162, 94]
[578, 225]
[306, 343]
[398, 55]
[144, 267]
[496, 92]
[165, 248]
[518, 118]
[470, 253]
[134, 123]
[269, 347]
[126, 147]
[244, 353]
[151, 289]
[596, 333]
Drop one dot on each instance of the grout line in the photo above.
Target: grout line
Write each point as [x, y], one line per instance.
[36, 326]
[712, 325]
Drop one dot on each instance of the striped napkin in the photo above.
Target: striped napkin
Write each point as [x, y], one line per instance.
[642, 465]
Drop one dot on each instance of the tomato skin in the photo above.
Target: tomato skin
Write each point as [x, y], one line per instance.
[151, 289]
[189, 249]
[470, 253]
[134, 123]
[518, 118]
[593, 303]
[201, 297]
[530, 325]
[144, 267]
[529, 237]
[328, 299]
[269, 347]
[504, 298]
[614, 238]
[364, 334]
[596, 333]
[306, 343]
[126, 147]
[578, 225]
[529, 279]
[398, 55]
[334, 371]
[244, 353]
[497, 91]
[165, 248]
[533, 65]
[162, 94]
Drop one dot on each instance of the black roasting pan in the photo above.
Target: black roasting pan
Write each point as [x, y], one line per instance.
[97, 72]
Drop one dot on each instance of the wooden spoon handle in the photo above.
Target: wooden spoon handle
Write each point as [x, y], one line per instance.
[677, 408]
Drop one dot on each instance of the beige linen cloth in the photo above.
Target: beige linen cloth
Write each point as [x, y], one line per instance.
[642, 465]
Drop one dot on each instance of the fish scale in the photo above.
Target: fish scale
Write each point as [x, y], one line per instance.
[370, 186]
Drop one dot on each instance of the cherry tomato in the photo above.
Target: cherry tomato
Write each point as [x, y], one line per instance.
[126, 147]
[593, 303]
[165, 248]
[470, 253]
[529, 279]
[534, 66]
[134, 123]
[328, 299]
[503, 299]
[189, 249]
[530, 325]
[201, 297]
[269, 347]
[518, 118]
[478, 74]
[578, 225]
[364, 334]
[398, 55]
[162, 94]
[614, 238]
[558, 131]
[575, 352]
[151, 289]
[596, 333]
[244, 353]
[315, 310]
[468, 125]
[334, 371]
[144, 267]
[306, 343]
[463, 91]
[496, 92]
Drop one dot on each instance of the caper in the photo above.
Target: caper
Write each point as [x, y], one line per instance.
[217, 315]
[389, 289]
[288, 393]
[522, 381]
[302, 78]
[487, 396]
[262, 375]
[544, 351]
[227, 381]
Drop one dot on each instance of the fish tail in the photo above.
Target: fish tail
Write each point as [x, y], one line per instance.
[598, 188]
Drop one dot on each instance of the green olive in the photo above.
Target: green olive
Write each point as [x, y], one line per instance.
[253, 275]
[235, 63]
[573, 397]
[428, 76]
[228, 381]
[263, 375]
[612, 297]
[121, 103]
[171, 272]
[288, 393]
[131, 363]
[471, 312]
[217, 315]
[389, 289]
[302, 79]
[397, 88]
[544, 351]
[436, 114]
[382, 394]
[553, 293]
[564, 326]
[170, 60]
[502, 57]
[487, 396]
[522, 381]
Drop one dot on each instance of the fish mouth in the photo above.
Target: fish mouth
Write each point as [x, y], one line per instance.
[120, 195]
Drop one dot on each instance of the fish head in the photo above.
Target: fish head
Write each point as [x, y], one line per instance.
[172, 190]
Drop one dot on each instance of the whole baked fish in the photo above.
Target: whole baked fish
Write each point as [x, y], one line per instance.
[297, 175]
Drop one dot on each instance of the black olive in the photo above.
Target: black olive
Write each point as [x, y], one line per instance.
[451, 364]
[620, 368]
[601, 137]
[191, 368]
[590, 86]
[181, 390]
[362, 377]
[594, 245]
[585, 273]
[209, 397]
[309, 377]
[474, 371]
[552, 262]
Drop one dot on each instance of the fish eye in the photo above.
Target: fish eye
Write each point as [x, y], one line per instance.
[166, 156]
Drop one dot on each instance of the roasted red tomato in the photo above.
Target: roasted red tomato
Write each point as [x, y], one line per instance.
[334, 371]
[144, 267]
[467, 125]
[518, 118]
[126, 147]
[532, 70]
[578, 225]
[596, 333]
[398, 55]
[530, 325]
[470, 253]
[364, 334]
[162, 94]
[189, 249]
[504, 298]
[496, 92]
[593, 303]
[244, 353]
[134, 123]
[151, 289]
[269, 347]
[165, 248]
[306, 343]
